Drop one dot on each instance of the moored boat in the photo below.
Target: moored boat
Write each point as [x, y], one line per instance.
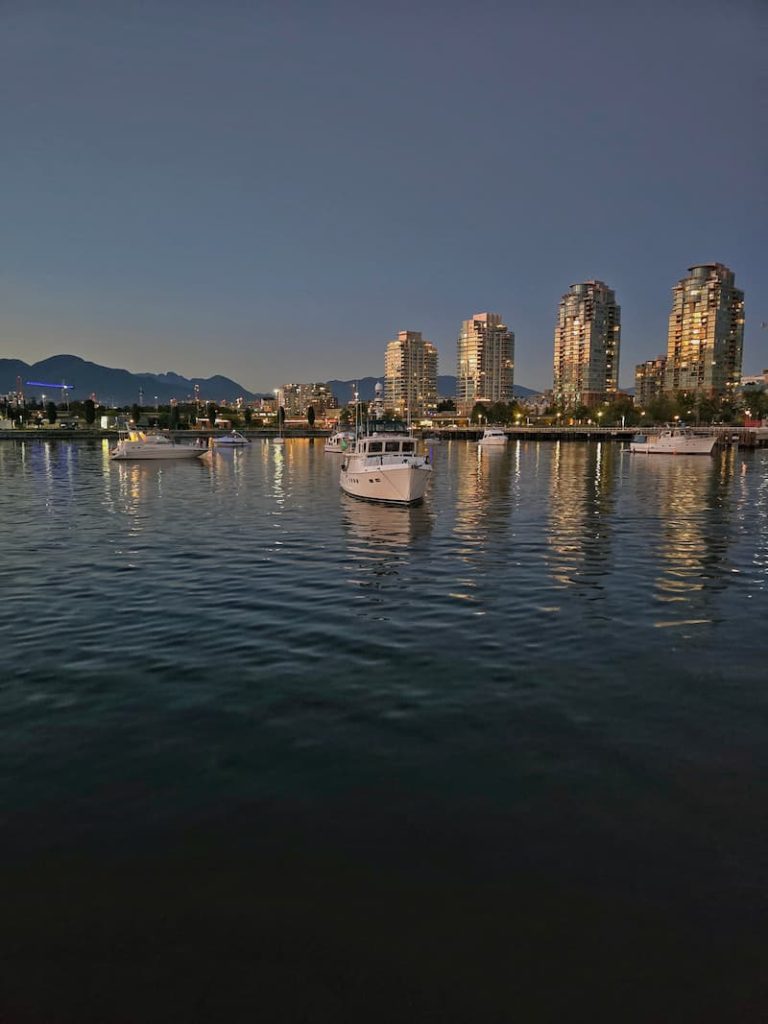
[339, 443]
[673, 441]
[493, 437]
[385, 468]
[138, 445]
[231, 440]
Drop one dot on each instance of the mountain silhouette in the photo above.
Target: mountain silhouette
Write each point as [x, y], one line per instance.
[113, 386]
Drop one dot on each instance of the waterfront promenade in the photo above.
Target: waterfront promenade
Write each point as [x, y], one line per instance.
[745, 437]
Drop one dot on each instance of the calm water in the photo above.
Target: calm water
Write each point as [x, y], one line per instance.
[274, 754]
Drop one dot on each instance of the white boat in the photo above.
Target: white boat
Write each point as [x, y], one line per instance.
[232, 440]
[339, 442]
[674, 441]
[138, 445]
[492, 437]
[386, 468]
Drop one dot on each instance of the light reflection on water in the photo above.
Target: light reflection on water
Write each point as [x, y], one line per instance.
[251, 566]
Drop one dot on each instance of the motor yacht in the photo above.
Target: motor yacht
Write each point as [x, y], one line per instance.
[232, 440]
[385, 468]
[674, 441]
[492, 437]
[138, 445]
[340, 442]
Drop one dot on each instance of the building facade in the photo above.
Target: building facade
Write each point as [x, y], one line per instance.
[649, 380]
[587, 345]
[297, 398]
[410, 376]
[485, 370]
[706, 333]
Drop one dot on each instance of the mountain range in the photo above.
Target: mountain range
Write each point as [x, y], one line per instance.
[112, 386]
[120, 387]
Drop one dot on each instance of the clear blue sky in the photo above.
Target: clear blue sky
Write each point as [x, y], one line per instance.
[272, 190]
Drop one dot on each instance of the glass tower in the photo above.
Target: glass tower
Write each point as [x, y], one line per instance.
[587, 343]
[706, 333]
[486, 362]
[410, 375]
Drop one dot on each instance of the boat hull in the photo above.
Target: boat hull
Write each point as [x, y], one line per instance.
[674, 446]
[493, 439]
[134, 454]
[390, 485]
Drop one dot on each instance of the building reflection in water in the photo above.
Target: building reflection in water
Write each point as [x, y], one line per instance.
[487, 493]
[760, 505]
[581, 506]
[690, 530]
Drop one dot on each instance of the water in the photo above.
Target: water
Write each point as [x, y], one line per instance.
[272, 753]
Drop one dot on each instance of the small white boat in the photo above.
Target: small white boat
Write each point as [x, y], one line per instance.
[340, 442]
[493, 437]
[674, 441]
[232, 440]
[138, 445]
[385, 468]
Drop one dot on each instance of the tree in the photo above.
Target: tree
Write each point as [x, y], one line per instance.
[311, 416]
[281, 416]
[135, 413]
[89, 407]
[345, 417]
[175, 417]
[661, 409]
[50, 412]
[479, 413]
[248, 415]
[446, 406]
[211, 412]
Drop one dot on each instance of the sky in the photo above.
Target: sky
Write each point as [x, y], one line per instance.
[272, 191]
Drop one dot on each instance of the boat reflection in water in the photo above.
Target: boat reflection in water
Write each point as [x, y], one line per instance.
[381, 528]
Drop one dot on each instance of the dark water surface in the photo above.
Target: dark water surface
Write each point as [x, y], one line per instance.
[273, 754]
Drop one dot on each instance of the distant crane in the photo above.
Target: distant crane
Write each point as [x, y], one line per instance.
[63, 387]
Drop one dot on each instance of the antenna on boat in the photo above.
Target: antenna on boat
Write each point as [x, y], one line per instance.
[356, 396]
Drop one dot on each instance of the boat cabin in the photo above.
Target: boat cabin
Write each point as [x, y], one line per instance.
[377, 446]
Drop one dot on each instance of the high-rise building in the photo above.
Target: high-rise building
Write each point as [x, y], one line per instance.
[649, 380]
[587, 343]
[410, 375]
[706, 333]
[485, 362]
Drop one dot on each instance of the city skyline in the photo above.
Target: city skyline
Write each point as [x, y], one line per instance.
[267, 194]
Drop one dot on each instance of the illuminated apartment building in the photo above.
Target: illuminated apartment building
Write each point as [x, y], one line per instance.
[410, 375]
[486, 362]
[706, 333]
[297, 398]
[649, 380]
[587, 343]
